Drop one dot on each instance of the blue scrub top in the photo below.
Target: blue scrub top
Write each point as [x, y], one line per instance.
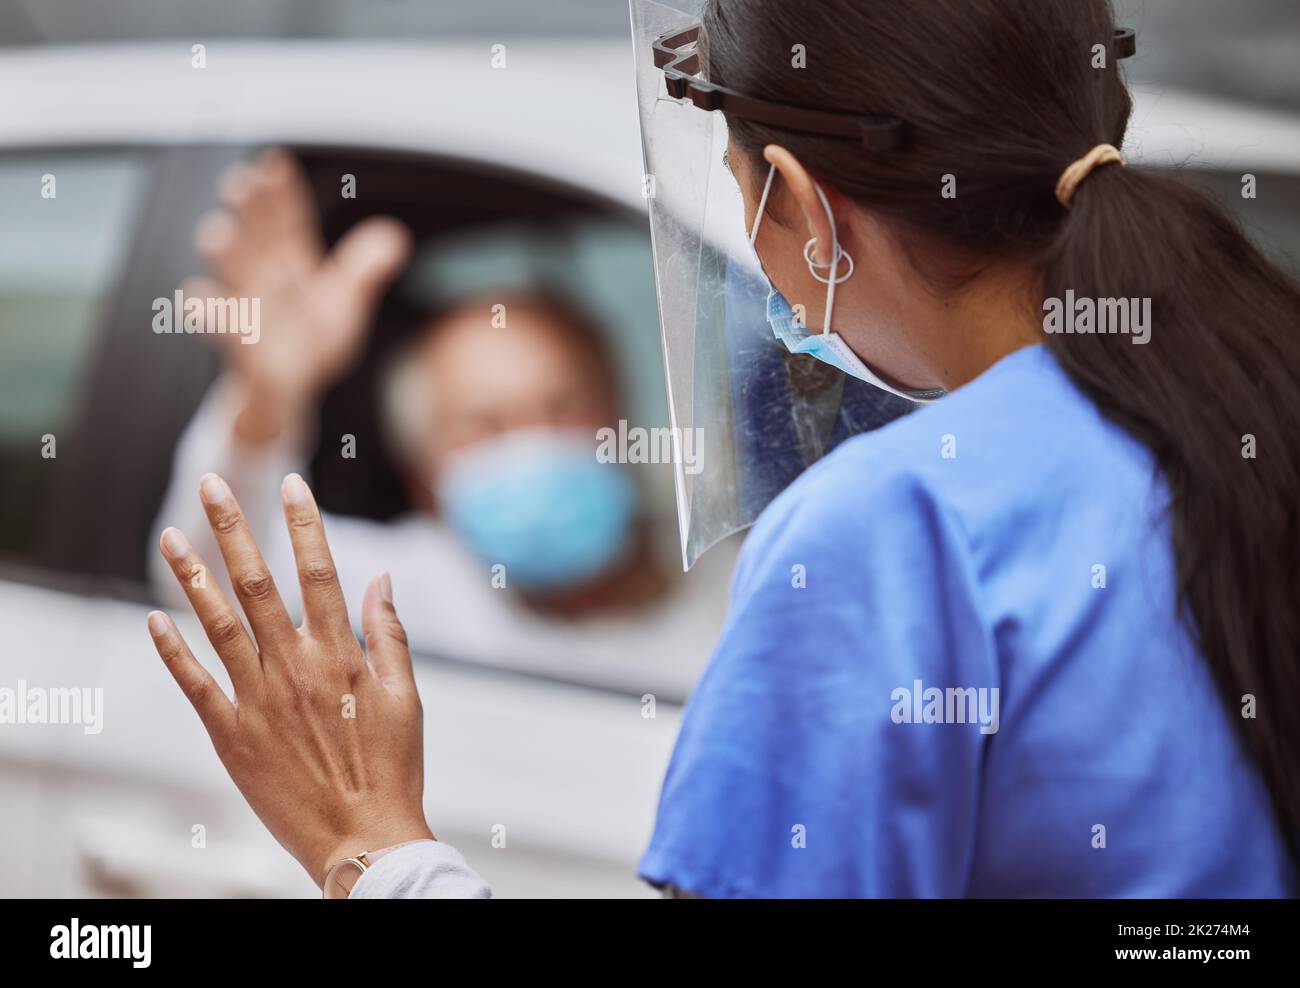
[1007, 538]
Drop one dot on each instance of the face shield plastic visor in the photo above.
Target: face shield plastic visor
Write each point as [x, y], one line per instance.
[748, 416]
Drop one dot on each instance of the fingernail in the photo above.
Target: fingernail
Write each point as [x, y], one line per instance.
[386, 589]
[157, 623]
[212, 489]
[174, 543]
[294, 489]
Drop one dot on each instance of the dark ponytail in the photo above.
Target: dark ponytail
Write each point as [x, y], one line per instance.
[1215, 394]
[1005, 94]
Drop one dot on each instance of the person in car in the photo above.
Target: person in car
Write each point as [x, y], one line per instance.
[526, 549]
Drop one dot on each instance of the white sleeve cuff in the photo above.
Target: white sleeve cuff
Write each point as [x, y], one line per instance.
[423, 870]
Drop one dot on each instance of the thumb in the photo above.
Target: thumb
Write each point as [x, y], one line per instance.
[386, 643]
[369, 257]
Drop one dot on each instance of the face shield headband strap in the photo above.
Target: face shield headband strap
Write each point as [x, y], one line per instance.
[677, 55]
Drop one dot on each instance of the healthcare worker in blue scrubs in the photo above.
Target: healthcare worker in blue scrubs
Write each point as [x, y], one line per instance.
[1018, 615]
[1003, 645]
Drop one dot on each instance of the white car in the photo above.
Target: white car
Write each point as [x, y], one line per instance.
[548, 784]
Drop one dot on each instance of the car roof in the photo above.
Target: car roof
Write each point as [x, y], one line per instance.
[561, 109]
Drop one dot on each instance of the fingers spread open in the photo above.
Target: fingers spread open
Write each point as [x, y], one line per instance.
[385, 637]
[212, 705]
[224, 628]
[323, 605]
[249, 574]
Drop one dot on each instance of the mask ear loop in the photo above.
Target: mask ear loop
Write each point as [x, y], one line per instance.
[920, 397]
[836, 254]
[762, 204]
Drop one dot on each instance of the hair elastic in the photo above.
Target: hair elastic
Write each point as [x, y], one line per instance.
[1102, 154]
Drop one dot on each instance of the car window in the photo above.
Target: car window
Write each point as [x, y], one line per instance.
[68, 217]
[80, 273]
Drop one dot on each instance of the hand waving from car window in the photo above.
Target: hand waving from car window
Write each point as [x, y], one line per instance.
[315, 306]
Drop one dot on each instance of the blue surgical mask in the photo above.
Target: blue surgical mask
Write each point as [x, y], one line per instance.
[538, 502]
[828, 347]
[786, 325]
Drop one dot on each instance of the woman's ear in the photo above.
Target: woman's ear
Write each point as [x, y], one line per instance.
[804, 191]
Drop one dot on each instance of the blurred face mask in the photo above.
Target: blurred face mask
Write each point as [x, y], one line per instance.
[539, 502]
[827, 346]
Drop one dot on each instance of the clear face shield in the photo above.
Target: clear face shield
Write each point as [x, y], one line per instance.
[750, 409]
